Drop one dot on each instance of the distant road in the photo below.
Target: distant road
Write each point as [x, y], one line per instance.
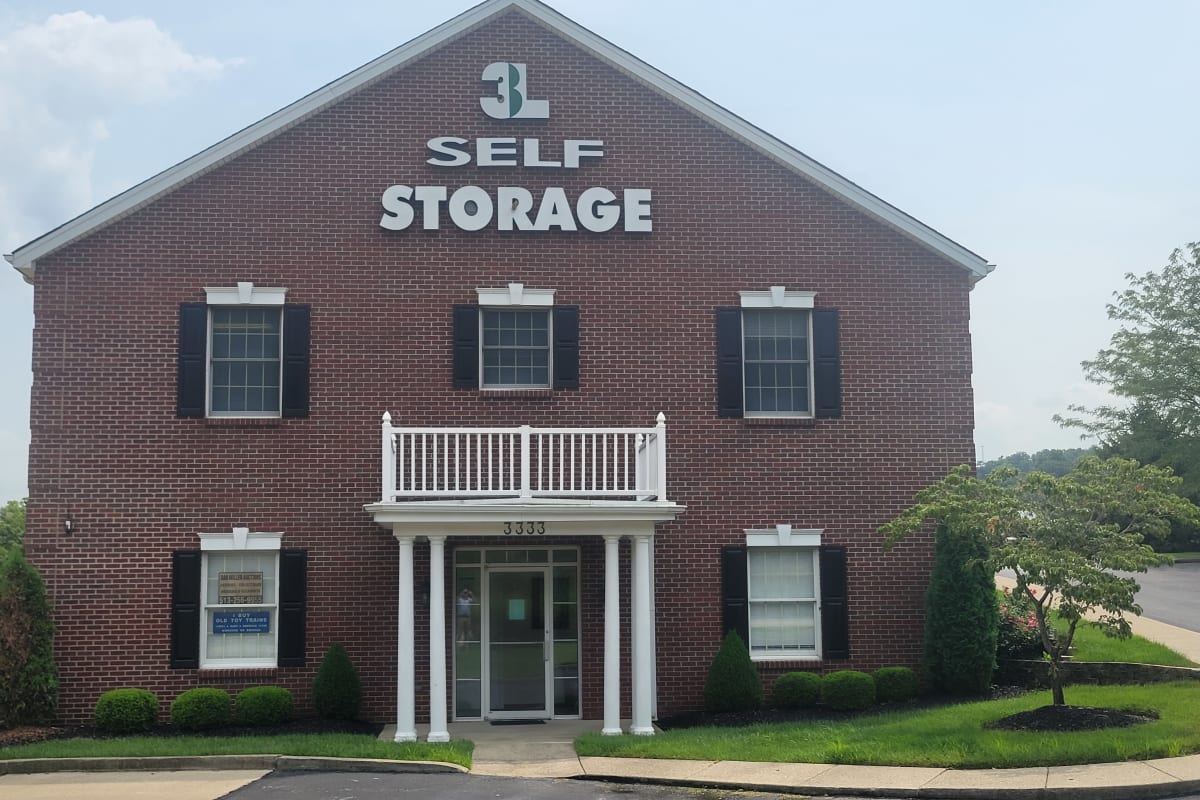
[1172, 595]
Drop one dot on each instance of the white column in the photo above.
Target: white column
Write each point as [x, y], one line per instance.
[643, 663]
[437, 641]
[406, 705]
[612, 638]
[634, 604]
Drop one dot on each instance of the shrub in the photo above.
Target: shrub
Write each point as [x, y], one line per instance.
[733, 683]
[262, 706]
[848, 690]
[200, 709]
[961, 615]
[28, 679]
[337, 691]
[895, 685]
[1017, 636]
[796, 690]
[126, 711]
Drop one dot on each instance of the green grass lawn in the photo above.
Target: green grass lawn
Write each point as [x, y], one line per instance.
[948, 736]
[1092, 645]
[339, 745]
[1185, 557]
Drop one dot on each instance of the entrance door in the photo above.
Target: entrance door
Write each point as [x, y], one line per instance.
[518, 644]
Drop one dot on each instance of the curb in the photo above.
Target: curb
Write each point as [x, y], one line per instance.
[29, 766]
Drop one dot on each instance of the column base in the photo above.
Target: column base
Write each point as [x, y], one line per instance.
[642, 731]
[611, 732]
[437, 737]
[405, 737]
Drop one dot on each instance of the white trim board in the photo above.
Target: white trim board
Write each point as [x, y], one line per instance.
[24, 259]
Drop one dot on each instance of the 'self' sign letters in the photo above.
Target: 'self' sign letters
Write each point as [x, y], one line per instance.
[513, 208]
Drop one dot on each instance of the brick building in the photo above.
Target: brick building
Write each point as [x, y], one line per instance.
[506, 361]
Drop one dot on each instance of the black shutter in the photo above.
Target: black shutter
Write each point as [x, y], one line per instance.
[566, 347]
[466, 347]
[735, 606]
[293, 605]
[185, 609]
[827, 363]
[296, 336]
[729, 362]
[190, 369]
[835, 614]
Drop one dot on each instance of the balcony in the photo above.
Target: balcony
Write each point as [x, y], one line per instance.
[524, 463]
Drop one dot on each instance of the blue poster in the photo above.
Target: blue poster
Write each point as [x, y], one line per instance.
[241, 622]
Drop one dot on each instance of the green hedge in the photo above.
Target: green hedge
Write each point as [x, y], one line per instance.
[337, 691]
[848, 690]
[733, 683]
[262, 706]
[895, 685]
[796, 690]
[125, 711]
[200, 709]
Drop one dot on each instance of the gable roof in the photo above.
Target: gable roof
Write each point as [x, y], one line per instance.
[25, 257]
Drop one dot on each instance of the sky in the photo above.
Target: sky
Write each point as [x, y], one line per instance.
[1058, 140]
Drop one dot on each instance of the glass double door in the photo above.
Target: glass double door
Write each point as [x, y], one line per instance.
[519, 643]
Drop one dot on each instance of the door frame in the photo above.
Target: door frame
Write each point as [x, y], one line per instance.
[547, 709]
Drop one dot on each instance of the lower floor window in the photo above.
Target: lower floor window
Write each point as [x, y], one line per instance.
[240, 599]
[783, 596]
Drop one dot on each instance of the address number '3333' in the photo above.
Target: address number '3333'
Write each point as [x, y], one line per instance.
[524, 528]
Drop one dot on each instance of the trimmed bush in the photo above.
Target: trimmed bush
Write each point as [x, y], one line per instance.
[895, 685]
[337, 691]
[263, 706]
[848, 690]
[796, 690]
[126, 711]
[962, 617]
[201, 709]
[1018, 636]
[28, 678]
[733, 683]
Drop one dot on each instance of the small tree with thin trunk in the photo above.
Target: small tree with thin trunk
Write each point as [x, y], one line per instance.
[28, 679]
[1064, 538]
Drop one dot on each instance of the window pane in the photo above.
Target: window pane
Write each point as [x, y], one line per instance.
[782, 626]
[776, 365]
[245, 362]
[516, 350]
[781, 572]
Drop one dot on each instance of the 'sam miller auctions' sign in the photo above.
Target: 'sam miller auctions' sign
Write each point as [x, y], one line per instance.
[239, 588]
[513, 208]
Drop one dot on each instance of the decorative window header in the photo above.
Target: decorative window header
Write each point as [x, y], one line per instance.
[240, 539]
[778, 297]
[245, 294]
[515, 294]
[784, 536]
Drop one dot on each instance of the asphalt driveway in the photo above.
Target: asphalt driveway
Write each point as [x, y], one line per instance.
[1172, 595]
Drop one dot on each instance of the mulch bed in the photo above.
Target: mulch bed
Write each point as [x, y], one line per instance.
[29, 734]
[1072, 718]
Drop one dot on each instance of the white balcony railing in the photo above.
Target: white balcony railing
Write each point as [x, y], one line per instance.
[603, 463]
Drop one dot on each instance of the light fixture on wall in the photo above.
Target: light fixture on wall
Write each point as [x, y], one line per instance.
[68, 526]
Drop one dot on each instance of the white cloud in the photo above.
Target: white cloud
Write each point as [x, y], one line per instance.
[60, 83]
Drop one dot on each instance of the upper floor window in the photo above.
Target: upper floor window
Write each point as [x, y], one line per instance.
[778, 356]
[516, 338]
[243, 353]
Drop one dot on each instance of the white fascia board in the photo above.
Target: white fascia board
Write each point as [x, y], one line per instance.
[24, 258]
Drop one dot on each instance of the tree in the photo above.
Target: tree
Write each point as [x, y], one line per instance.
[1153, 360]
[12, 525]
[1064, 538]
[961, 615]
[28, 680]
[1053, 461]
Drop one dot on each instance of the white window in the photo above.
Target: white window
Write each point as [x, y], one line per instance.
[777, 357]
[245, 351]
[239, 598]
[514, 346]
[784, 592]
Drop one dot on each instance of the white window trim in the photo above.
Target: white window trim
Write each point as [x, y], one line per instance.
[786, 536]
[779, 298]
[245, 293]
[238, 540]
[516, 295]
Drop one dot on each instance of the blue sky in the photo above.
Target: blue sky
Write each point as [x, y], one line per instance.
[1058, 140]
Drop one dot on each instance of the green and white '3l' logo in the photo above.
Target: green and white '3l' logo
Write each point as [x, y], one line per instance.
[510, 101]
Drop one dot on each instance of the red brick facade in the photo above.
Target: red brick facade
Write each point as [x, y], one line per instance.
[302, 211]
